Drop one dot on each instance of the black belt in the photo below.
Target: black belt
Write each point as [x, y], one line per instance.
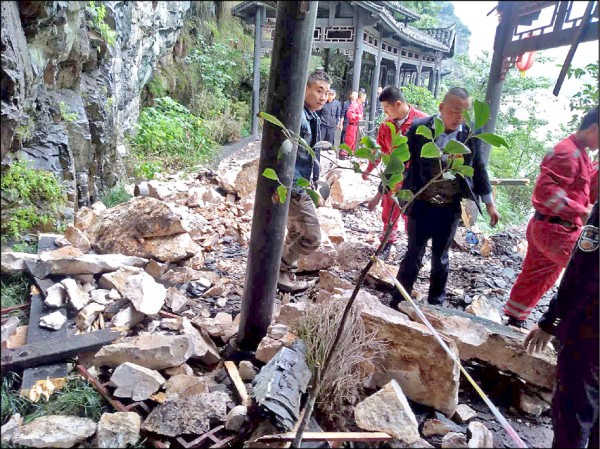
[554, 220]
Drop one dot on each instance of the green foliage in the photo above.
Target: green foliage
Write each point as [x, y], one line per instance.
[39, 194]
[76, 398]
[428, 10]
[25, 247]
[98, 15]
[147, 170]
[116, 195]
[587, 97]
[66, 113]
[169, 131]
[15, 290]
[421, 98]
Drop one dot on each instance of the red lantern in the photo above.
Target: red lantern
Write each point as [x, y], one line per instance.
[525, 61]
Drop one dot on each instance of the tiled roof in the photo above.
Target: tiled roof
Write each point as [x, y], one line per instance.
[444, 35]
[399, 7]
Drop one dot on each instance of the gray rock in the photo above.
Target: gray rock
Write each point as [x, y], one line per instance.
[56, 296]
[454, 440]
[531, 404]
[77, 297]
[87, 264]
[77, 238]
[117, 279]
[146, 295]
[203, 347]
[176, 300]
[247, 370]
[135, 382]
[236, 417]
[11, 428]
[464, 413]
[187, 415]
[127, 317]
[481, 307]
[55, 431]
[388, 411]
[53, 321]
[481, 436]
[14, 262]
[185, 385]
[118, 430]
[9, 328]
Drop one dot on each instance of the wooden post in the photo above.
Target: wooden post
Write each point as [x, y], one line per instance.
[292, 45]
[256, 70]
[358, 49]
[375, 79]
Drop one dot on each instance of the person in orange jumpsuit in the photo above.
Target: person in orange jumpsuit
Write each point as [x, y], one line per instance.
[401, 114]
[562, 201]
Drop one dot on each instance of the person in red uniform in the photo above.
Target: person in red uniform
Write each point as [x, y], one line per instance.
[353, 115]
[561, 199]
[401, 114]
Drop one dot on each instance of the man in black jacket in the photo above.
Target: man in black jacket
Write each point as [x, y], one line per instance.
[330, 115]
[435, 212]
[573, 317]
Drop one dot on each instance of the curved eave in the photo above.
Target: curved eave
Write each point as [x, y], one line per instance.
[248, 9]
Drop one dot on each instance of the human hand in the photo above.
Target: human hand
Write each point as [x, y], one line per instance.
[373, 202]
[493, 213]
[536, 340]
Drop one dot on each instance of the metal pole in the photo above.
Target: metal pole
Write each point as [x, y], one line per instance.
[358, 50]
[375, 79]
[256, 72]
[496, 78]
[292, 45]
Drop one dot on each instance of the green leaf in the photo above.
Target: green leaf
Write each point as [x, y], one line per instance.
[405, 195]
[364, 153]
[395, 166]
[314, 196]
[402, 152]
[482, 113]
[465, 170]
[346, 148]
[467, 116]
[492, 139]
[269, 173]
[302, 182]
[356, 167]
[430, 150]
[394, 180]
[392, 128]
[456, 147]
[271, 119]
[457, 162]
[439, 127]
[398, 140]
[282, 192]
[302, 142]
[385, 158]
[448, 176]
[424, 131]
[369, 142]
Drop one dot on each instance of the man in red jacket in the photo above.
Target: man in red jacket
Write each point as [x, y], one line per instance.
[561, 199]
[401, 114]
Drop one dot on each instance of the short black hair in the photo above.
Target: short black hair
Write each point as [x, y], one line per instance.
[319, 75]
[391, 94]
[590, 118]
[457, 92]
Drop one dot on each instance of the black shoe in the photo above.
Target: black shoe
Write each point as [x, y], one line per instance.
[512, 321]
[385, 254]
[396, 300]
[439, 301]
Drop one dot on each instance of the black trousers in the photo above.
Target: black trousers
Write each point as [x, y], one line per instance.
[438, 223]
[328, 134]
[575, 400]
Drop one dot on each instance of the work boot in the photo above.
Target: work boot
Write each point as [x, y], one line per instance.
[514, 322]
[288, 283]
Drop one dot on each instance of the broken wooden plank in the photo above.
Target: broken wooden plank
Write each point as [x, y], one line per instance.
[239, 384]
[328, 436]
[509, 182]
[49, 351]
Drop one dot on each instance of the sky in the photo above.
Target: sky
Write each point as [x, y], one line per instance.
[483, 28]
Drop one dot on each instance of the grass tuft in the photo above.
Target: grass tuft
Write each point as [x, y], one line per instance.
[14, 292]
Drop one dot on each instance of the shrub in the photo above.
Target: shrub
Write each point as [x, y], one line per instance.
[38, 194]
[15, 290]
[114, 196]
[98, 15]
[421, 98]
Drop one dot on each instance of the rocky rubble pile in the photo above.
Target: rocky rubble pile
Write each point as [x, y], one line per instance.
[168, 268]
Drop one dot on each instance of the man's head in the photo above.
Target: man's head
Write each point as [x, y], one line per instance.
[588, 130]
[362, 95]
[393, 103]
[317, 87]
[455, 103]
[379, 89]
[353, 95]
[331, 95]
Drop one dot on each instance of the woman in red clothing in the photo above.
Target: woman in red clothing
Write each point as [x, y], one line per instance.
[354, 115]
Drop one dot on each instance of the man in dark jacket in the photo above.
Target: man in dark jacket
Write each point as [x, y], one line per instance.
[573, 317]
[435, 212]
[303, 228]
[330, 115]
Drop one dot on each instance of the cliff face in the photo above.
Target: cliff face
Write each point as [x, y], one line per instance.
[68, 96]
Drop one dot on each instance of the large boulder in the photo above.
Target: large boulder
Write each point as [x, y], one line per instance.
[321, 259]
[55, 431]
[332, 224]
[348, 190]
[118, 429]
[238, 178]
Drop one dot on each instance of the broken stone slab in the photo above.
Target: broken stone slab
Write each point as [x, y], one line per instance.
[440, 426]
[175, 300]
[328, 280]
[13, 262]
[388, 411]
[11, 428]
[173, 324]
[222, 325]
[146, 295]
[279, 386]
[78, 239]
[85, 264]
[332, 224]
[247, 370]
[119, 430]
[481, 436]
[55, 296]
[53, 321]
[203, 347]
[379, 277]
[181, 275]
[184, 368]
[321, 259]
[76, 296]
[267, 349]
[195, 196]
[454, 440]
[289, 313]
[236, 417]
[188, 415]
[501, 346]
[150, 351]
[127, 317]
[156, 269]
[238, 178]
[184, 385]
[117, 279]
[464, 413]
[88, 315]
[348, 190]
[154, 189]
[55, 431]
[415, 359]
[9, 328]
[481, 307]
[531, 404]
[135, 382]
[100, 296]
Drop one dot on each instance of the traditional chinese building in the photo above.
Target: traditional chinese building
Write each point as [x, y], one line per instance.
[376, 36]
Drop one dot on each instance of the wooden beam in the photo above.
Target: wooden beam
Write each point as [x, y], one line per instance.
[328, 436]
[509, 182]
[550, 40]
[238, 383]
[576, 38]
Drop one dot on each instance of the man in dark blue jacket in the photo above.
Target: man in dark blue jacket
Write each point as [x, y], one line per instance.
[573, 317]
[330, 115]
[435, 212]
[304, 231]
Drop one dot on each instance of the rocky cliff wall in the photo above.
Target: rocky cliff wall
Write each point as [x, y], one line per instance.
[68, 97]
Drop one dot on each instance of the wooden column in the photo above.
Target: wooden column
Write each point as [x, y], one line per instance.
[430, 81]
[256, 70]
[292, 45]
[358, 49]
[375, 80]
[438, 78]
[419, 70]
